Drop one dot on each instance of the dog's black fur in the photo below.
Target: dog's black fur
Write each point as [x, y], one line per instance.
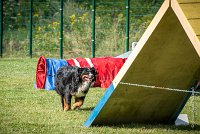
[74, 81]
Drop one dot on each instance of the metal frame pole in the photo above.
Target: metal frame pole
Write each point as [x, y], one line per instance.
[31, 30]
[61, 29]
[127, 25]
[1, 29]
[93, 28]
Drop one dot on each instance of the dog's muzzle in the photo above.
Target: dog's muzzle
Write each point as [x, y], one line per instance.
[88, 78]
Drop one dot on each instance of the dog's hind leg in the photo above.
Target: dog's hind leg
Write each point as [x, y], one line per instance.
[67, 102]
[78, 102]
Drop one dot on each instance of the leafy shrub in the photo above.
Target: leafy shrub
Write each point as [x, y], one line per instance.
[110, 26]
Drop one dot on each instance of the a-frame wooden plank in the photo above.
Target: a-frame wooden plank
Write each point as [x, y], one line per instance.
[186, 25]
[164, 57]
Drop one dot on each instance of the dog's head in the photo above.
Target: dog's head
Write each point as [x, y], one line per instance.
[87, 77]
[87, 74]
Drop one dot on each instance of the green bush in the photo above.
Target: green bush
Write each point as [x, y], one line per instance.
[110, 26]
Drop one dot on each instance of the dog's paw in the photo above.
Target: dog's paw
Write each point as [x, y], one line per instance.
[67, 108]
[75, 108]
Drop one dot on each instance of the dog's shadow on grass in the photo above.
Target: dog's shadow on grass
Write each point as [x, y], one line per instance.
[194, 127]
[86, 108]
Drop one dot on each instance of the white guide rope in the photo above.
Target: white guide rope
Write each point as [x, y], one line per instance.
[171, 89]
[193, 92]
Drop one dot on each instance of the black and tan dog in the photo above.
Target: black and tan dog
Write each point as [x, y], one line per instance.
[74, 81]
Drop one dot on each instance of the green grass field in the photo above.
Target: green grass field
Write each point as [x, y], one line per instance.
[24, 109]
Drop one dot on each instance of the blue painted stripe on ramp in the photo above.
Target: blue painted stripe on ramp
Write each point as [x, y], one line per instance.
[99, 106]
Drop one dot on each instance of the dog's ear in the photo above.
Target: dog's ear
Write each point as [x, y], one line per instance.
[93, 70]
[78, 74]
[80, 70]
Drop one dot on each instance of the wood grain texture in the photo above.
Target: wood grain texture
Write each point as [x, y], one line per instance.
[188, 1]
[191, 10]
[186, 25]
[195, 23]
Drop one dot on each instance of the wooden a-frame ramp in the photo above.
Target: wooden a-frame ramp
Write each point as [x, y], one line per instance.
[167, 55]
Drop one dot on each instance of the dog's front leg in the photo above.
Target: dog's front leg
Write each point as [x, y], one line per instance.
[67, 102]
[78, 102]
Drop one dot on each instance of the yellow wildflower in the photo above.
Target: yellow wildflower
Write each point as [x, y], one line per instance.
[39, 28]
[72, 19]
[55, 23]
[82, 18]
[36, 15]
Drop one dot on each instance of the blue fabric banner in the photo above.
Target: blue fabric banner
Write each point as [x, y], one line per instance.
[52, 67]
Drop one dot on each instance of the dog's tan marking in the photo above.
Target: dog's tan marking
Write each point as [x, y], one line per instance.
[66, 106]
[78, 103]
